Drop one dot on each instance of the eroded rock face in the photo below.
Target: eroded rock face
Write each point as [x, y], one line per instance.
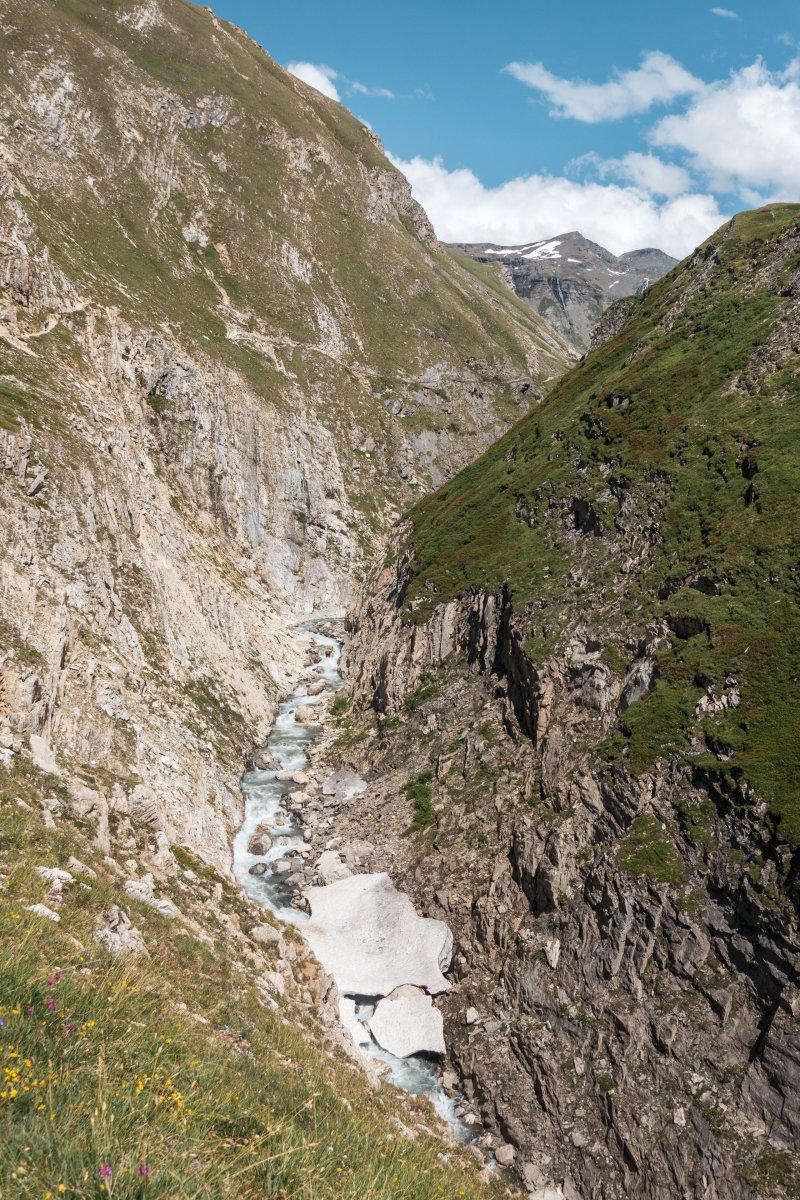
[624, 1019]
[368, 936]
[406, 1022]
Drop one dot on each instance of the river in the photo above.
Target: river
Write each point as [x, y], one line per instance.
[266, 811]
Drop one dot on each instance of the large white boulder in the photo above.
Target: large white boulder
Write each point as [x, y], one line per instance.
[407, 1023]
[368, 935]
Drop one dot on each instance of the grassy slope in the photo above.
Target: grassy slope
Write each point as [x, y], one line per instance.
[122, 236]
[175, 1061]
[680, 431]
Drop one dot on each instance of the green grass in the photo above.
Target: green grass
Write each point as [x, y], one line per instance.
[171, 1071]
[418, 791]
[648, 850]
[650, 420]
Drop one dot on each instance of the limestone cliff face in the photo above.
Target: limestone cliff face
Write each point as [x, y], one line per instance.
[230, 351]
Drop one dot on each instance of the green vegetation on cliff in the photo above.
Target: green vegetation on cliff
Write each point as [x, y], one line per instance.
[658, 487]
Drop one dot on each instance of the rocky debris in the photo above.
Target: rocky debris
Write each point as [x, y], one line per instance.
[405, 1023]
[144, 889]
[368, 936]
[343, 786]
[117, 934]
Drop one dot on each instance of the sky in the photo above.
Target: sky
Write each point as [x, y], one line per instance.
[638, 124]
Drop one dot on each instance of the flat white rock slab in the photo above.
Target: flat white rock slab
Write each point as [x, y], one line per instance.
[407, 1023]
[368, 936]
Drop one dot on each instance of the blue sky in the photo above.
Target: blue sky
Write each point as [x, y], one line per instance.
[695, 112]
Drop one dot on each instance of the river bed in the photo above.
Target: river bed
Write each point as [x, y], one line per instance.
[266, 811]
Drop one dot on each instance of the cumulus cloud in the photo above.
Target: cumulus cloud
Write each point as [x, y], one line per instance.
[318, 76]
[743, 134]
[620, 217]
[659, 80]
[646, 171]
[727, 13]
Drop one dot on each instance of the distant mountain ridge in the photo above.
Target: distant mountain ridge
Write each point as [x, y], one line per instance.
[569, 280]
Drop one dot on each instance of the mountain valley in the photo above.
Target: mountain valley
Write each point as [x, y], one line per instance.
[252, 411]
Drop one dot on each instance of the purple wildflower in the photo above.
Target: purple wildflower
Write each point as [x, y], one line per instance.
[105, 1171]
[144, 1170]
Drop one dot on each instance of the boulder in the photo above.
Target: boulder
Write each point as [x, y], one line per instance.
[115, 933]
[259, 845]
[344, 785]
[368, 935]
[262, 760]
[407, 1023]
[42, 910]
[316, 689]
[505, 1154]
[306, 715]
[331, 869]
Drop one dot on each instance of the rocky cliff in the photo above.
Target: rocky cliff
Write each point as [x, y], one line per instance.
[570, 280]
[231, 351]
[575, 693]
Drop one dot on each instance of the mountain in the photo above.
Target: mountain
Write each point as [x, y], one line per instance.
[576, 692]
[569, 280]
[231, 352]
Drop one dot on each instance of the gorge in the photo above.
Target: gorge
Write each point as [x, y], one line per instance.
[536, 831]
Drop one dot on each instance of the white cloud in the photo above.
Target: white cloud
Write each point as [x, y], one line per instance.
[658, 80]
[727, 13]
[316, 75]
[384, 93]
[521, 210]
[648, 172]
[743, 134]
